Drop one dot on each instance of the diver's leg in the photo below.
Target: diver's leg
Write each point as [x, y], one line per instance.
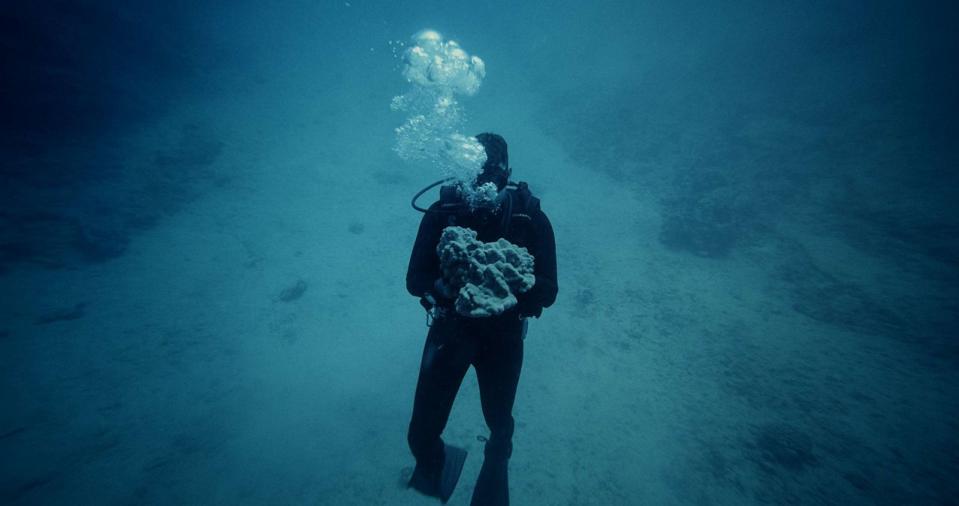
[497, 371]
[446, 359]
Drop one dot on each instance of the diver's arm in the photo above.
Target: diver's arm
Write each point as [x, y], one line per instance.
[543, 249]
[424, 267]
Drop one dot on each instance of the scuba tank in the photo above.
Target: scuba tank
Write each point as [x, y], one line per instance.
[453, 204]
[451, 199]
[516, 201]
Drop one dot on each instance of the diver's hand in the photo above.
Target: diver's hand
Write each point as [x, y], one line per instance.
[437, 297]
[437, 305]
[528, 308]
[444, 294]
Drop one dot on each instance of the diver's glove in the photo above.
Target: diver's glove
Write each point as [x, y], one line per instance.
[433, 311]
[436, 304]
[527, 307]
[444, 294]
[429, 301]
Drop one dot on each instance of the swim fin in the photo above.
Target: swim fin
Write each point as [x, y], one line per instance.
[492, 485]
[442, 483]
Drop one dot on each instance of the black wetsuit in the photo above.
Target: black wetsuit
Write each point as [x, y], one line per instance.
[492, 345]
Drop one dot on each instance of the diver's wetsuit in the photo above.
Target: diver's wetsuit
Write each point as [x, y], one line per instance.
[492, 345]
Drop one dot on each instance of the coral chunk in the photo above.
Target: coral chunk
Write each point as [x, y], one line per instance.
[484, 278]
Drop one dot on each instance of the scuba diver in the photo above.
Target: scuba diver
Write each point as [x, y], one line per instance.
[493, 345]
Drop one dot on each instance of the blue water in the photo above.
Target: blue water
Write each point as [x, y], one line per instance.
[205, 230]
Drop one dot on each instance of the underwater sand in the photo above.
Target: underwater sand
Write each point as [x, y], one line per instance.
[256, 344]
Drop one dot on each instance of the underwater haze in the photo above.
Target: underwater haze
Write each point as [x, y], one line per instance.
[206, 226]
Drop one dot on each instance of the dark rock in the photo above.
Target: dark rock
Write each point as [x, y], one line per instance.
[12, 432]
[142, 221]
[18, 491]
[822, 296]
[357, 228]
[197, 148]
[40, 238]
[785, 447]
[62, 314]
[706, 216]
[293, 292]
[58, 240]
[858, 480]
[585, 301]
[99, 244]
[916, 213]
[584, 297]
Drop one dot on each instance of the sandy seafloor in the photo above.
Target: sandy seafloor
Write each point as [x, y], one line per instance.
[799, 367]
